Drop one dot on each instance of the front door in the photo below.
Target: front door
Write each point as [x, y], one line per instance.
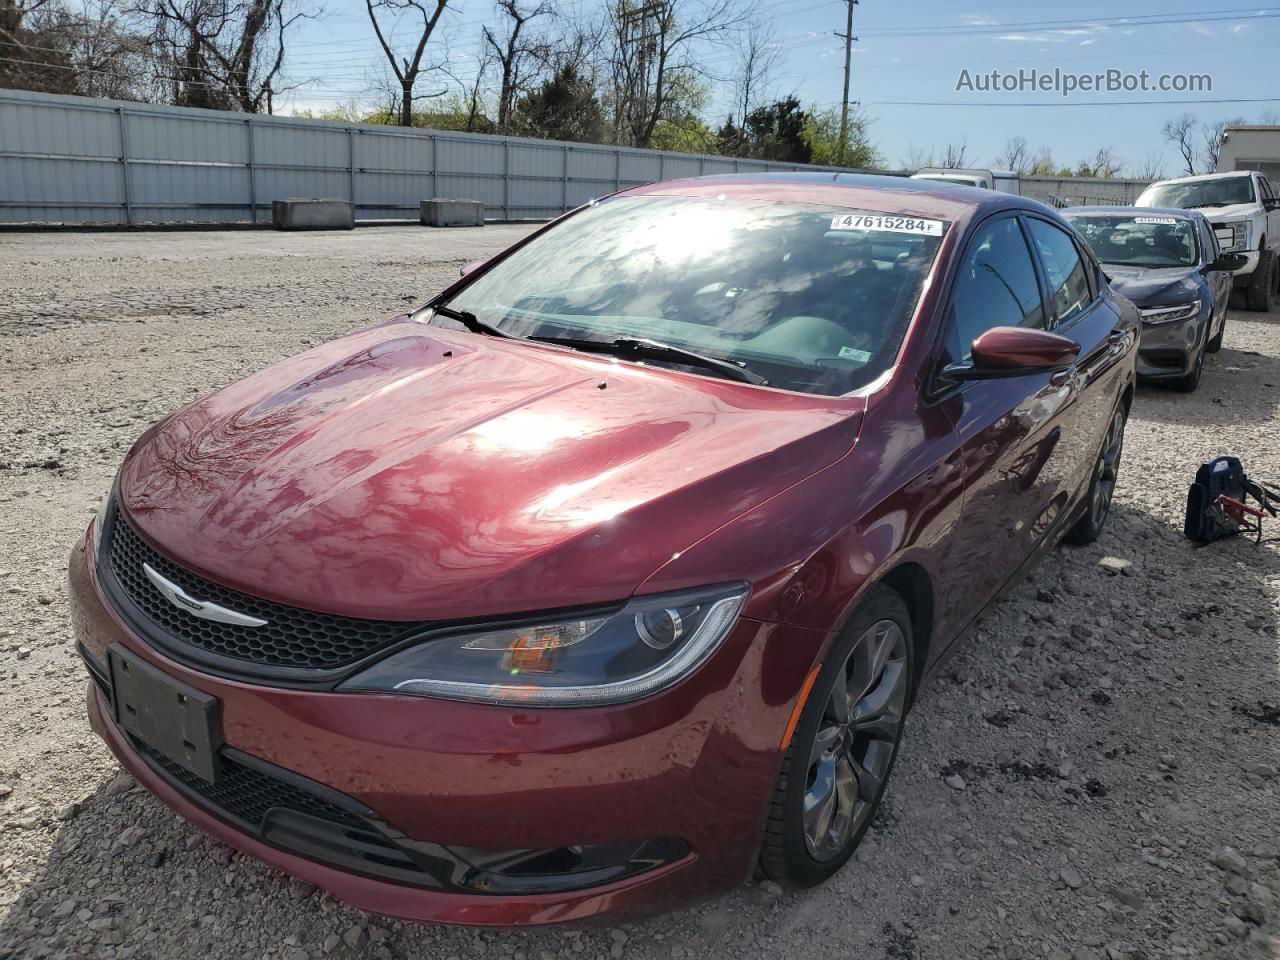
[1014, 432]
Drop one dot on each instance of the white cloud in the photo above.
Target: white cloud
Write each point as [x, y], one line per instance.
[1062, 35]
[978, 20]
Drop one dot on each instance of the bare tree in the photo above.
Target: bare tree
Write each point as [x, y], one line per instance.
[225, 54]
[1214, 134]
[407, 68]
[1181, 133]
[917, 157]
[956, 154]
[650, 57]
[1102, 163]
[89, 50]
[518, 55]
[1151, 167]
[1042, 165]
[758, 55]
[1015, 156]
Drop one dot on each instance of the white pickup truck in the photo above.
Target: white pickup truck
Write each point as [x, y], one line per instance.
[1245, 213]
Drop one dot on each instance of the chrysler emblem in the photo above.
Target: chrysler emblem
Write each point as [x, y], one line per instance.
[198, 608]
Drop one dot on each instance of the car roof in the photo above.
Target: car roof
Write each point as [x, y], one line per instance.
[921, 198]
[1202, 176]
[1131, 211]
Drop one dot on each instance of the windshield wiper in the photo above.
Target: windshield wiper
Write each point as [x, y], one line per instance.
[473, 323]
[641, 348]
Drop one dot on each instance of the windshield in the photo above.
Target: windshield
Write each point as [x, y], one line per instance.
[1139, 241]
[1221, 192]
[812, 298]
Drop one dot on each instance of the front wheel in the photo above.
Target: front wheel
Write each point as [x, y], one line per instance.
[1102, 484]
[842, 751]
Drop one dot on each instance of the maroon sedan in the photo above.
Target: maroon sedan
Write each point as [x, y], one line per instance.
[613, 570]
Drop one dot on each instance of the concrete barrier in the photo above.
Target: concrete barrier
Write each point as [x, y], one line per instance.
[442, 212]
[314, 214]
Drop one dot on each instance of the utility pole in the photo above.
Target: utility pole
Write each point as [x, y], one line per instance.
[848, 38]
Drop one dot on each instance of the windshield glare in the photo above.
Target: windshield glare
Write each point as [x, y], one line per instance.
[813, 298]
[1200, 193]
[1138, 241]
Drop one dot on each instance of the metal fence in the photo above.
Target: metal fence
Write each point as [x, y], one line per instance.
[70, 159]
[1083, 191]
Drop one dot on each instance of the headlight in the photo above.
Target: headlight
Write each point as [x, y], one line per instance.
[1233, 236]
[649, 644]
[1183, 311]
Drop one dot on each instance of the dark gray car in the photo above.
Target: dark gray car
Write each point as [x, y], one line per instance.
[1169, 264]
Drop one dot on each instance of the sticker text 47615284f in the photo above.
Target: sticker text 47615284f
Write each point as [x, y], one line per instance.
[886, 222]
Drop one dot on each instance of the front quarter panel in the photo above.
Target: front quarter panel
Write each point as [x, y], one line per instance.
[810, 551]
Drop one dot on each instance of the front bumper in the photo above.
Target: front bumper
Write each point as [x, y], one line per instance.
[696, 763]
[1169, 349]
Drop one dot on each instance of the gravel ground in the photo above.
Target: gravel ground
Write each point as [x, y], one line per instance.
[1095, 776]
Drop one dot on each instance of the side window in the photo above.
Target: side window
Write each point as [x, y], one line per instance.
[995, 286]
[1266, 188]
[1068, 282]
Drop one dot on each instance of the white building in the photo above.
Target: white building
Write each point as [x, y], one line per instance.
[1251, 147]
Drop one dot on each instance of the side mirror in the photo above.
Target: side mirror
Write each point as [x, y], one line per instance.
[1272, 204]
[470, 266]
[1014, 352]
[1226, 261]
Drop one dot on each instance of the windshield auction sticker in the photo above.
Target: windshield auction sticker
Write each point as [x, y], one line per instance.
[1169, 220]
[887, 223]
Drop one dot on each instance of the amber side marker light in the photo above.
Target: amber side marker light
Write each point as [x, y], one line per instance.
[799, 707]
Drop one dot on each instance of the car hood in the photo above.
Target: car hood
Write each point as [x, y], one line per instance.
[1234, 211]
[1155, 287]
[414, 472]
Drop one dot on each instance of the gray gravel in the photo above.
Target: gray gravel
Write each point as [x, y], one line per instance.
[1095, 777]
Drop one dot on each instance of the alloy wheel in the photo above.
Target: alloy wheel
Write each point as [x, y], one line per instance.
[856, 739]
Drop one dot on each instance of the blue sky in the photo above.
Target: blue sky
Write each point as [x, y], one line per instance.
[915, 51]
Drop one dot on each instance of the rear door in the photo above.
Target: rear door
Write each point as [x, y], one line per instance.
[1011, 431]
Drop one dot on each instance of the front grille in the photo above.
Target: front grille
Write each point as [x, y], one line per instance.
[292, 637]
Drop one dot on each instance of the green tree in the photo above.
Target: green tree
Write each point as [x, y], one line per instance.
[689, 135]
[822, 134]
[776, 131]
[563, 108]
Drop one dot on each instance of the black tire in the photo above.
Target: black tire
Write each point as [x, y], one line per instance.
[1260, 294]
[803, 844]
[1215, 342]
[1102, 483]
